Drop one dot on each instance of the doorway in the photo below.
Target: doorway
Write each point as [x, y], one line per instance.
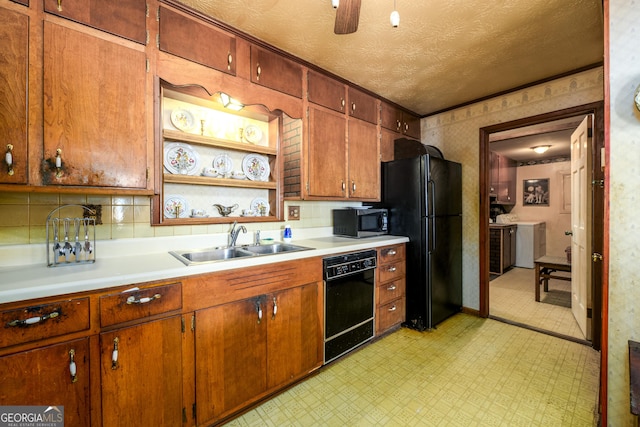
[597, 109]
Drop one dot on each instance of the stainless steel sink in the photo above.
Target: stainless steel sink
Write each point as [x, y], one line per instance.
[210, 255]
[190, 257]
[274, 248]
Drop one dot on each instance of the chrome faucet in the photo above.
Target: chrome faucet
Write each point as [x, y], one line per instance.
[233, 234]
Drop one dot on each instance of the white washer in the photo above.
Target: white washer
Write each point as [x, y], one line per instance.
[531, 239]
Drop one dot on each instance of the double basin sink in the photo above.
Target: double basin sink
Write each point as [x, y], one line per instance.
[202, 256]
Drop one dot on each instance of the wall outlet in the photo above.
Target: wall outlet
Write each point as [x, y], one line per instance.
[294, 213]
[96, 212]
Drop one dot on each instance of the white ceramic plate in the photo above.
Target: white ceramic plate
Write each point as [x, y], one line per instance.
[256, 167]
[183, 119]
[181, 158]
[223, 163]
[252, 134]
[258, 203]
[175, 207]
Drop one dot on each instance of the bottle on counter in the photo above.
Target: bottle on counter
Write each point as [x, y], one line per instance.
[286, 236]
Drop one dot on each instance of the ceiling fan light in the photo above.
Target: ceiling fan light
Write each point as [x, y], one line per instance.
[335, 3]
[540, 148]
[395, 19]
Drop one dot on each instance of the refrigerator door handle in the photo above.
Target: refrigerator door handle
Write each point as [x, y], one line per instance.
[431, 212]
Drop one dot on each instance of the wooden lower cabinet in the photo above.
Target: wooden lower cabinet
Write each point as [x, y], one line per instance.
[390, 288]
[248, 348]
[141, 374]
[43, 377]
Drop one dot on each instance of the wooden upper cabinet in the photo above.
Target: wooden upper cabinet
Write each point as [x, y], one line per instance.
[327, 155]
[124, 18]
[325, 91]
[400, 121]
[364, 164]
[14, 45]
[275, 72]
[24, 2]
[363, 106]
[94, 111]
[197, 41]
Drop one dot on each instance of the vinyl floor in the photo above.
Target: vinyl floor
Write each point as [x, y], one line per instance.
[467, 372]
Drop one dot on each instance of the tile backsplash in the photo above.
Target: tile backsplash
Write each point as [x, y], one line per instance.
[23, 217]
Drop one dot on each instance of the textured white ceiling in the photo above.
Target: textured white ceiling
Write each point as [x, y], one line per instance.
[444, 53]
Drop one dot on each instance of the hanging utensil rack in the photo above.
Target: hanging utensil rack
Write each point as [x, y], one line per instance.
[81, 247]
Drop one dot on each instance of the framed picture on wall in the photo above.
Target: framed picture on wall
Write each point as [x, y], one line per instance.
[535, 192]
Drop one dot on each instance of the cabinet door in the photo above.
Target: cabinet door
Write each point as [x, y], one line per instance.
[327, 159]
[125, 18]
[231, 357]
[363, 106]
[14, 45]
[325, 91]
[387, 139]
[94, 111]
[294, 338]
[42, 377]
[364, 161]
[507, 180]
[410, 125]
[276, 72]
[142, 382]
[196, 41]
[390, 117]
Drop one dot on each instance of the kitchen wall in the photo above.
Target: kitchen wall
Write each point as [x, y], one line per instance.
[557, 215]
[456, 133]
[623, 184]
[23, 217]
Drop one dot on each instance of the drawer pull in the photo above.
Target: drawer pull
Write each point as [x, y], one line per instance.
[275, 308]
[8, 159]
[391, 252]
[33, 320]
[114, 354]
[144, 300]
[72, 366]
[259, 310]
[391, 288]
[392, 308]
[391, 269]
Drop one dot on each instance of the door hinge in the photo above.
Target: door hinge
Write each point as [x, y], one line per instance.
[184, 415]
[598, 182]
[148, 173]
[193, 411]
[193, 322]
[147, 64]
[146, 39]
[182, 324]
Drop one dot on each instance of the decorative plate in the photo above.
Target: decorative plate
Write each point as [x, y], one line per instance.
[181, 159]
[258, 203]
[256, 167]
[182, 119]
[223, 163]
[176, 207]
[252, 134]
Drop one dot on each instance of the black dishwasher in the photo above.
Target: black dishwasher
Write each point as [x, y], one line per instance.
[349, 283]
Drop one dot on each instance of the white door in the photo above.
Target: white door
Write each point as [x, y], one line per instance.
[581, 222]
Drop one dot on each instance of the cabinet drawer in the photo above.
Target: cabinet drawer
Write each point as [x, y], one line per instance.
[126, 306]
[390, 314]
[391, 253]
[35, 322]
[391, 290]
[391, 271]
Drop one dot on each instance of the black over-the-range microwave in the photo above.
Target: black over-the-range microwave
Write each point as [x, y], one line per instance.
[360, 222]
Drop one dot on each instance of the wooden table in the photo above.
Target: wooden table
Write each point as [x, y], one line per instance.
[545, 267]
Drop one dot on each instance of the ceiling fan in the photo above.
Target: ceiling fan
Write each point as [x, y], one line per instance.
[347, 16]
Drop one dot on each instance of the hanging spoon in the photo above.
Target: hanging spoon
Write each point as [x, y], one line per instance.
[87, 244]
[78, 247]
[68, 249]
[57, 249]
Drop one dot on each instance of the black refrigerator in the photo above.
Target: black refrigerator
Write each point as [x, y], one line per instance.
[424, 198]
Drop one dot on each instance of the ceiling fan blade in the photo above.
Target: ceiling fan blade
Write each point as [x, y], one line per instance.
[347, 16]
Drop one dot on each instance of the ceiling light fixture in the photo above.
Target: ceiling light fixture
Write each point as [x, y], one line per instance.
[395, 16]
[230, 103]
[335, 3]
[540, 148]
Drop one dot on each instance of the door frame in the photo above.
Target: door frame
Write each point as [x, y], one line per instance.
[598, 284]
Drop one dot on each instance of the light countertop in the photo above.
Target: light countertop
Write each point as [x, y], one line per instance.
[133, 261]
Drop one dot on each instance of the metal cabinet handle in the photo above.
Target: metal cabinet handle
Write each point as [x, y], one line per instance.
[391, 252]
[258, 72]
[344, 186]
[259, 311]
[353, 186]
[275, 308]
[59, 5]
[342, 104]
[391, 269]
[58, 161]
[114, 354]
[229, 61]
[73, 371]
[391, 288]
[398, 125]
[33, 320]
[392, 308]
[8, 158]
[353, 107]
[143, 300]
